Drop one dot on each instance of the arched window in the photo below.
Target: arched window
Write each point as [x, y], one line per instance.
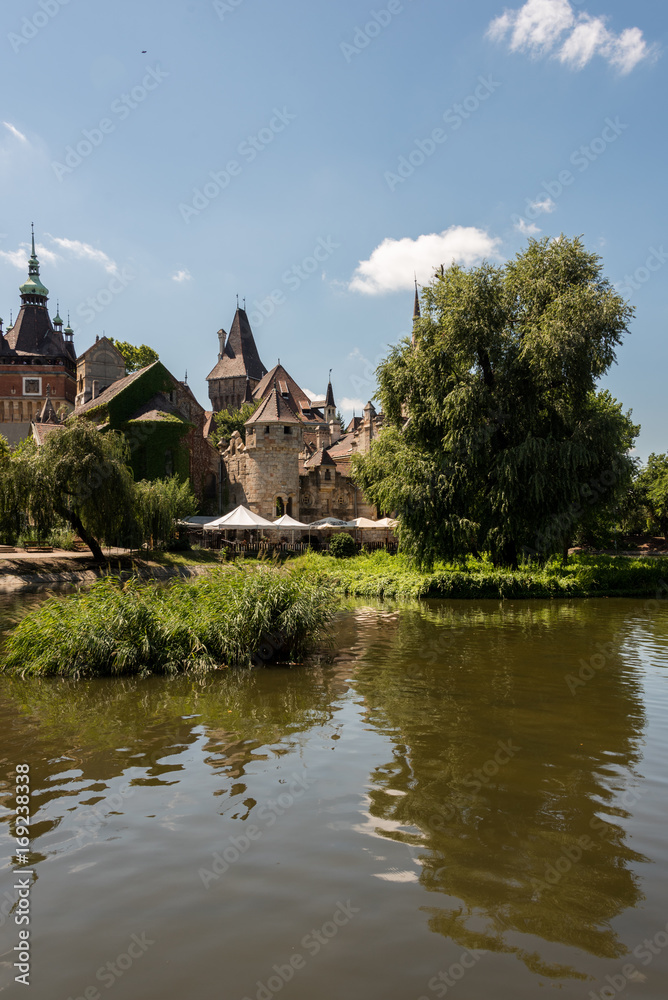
[280, 507]
[328, 474]
[289, 507]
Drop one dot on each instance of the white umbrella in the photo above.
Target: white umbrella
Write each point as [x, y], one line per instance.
[387, 522]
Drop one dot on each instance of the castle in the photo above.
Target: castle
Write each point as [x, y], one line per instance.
[295, 458]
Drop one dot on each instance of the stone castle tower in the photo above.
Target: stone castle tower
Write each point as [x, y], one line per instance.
[263, 473]
[239, 368]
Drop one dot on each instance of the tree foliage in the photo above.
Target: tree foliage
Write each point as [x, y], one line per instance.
[79, 476]
[135, 357]
[159, 503]
[496, 436]
[229, 421]
[652, 492]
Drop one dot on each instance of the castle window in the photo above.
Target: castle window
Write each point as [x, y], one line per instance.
[266, 430]
[328, 474]
[280, 507]
[289, 507]
[287, 430]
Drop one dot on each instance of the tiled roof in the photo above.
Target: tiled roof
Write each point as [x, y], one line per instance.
[113, 390]
[274, 410]
[33, 334]
[158, 407]
[321, 457]
[240, 355]
[41, 431]
[281, 377]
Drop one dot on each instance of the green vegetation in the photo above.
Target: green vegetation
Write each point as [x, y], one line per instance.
[79, 482]
[228, 618]
[229, 421]
[509, 447]
[159, 503]
[135, 357]
[342, 546]
[382, 575]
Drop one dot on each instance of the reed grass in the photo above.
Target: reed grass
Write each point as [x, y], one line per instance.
[381, 575]
[228, 618]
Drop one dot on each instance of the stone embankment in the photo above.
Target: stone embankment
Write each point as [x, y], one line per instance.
[22, 572]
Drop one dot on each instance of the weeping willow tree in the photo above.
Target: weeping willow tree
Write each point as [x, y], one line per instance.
[79, 475]
[497, 437]
[159, 503]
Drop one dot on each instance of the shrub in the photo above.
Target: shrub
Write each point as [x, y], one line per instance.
[229, 618]
[342, 546]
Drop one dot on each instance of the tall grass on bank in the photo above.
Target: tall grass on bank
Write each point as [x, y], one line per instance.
[382, 575]
[228, 618]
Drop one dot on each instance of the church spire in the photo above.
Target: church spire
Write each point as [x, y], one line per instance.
[33, 291]
[416, 307]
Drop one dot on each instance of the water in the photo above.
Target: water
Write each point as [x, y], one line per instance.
[448, 796]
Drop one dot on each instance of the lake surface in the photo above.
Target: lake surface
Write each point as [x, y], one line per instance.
[470, 800]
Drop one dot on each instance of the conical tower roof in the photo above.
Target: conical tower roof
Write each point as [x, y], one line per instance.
[240, 357]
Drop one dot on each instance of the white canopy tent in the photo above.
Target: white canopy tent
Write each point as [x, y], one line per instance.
[289, 522]
[239, 519]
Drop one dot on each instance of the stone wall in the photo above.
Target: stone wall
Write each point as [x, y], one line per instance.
[229, 393]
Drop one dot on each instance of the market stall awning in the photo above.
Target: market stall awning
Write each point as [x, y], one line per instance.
[238, 519]
[288, 522]
[329, 522]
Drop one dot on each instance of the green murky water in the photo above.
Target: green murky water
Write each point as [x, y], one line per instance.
[469, 801]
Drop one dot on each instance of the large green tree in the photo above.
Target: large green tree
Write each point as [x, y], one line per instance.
[135, 357]
[79, 475]
[496, 436]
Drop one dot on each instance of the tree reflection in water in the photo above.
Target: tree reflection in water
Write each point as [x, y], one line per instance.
[526, 842]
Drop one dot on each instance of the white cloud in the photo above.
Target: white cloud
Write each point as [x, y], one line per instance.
[544, 205]
[542, 27]
[15, 132]
[348, 405]
[18, 258]
[393, 263]
[84, 251]
[182, 275]
[527, 228]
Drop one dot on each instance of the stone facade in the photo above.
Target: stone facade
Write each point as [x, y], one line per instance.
[98, 368]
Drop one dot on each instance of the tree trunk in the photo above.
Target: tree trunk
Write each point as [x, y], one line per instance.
[91, 542]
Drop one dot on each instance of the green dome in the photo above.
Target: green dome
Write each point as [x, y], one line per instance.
[33, 286]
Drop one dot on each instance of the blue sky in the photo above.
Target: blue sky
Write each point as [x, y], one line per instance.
[310, 157]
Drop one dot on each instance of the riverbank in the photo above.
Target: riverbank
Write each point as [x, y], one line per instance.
[30, 572]
[385, 576]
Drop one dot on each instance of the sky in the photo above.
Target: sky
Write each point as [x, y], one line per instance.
[311, 158]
